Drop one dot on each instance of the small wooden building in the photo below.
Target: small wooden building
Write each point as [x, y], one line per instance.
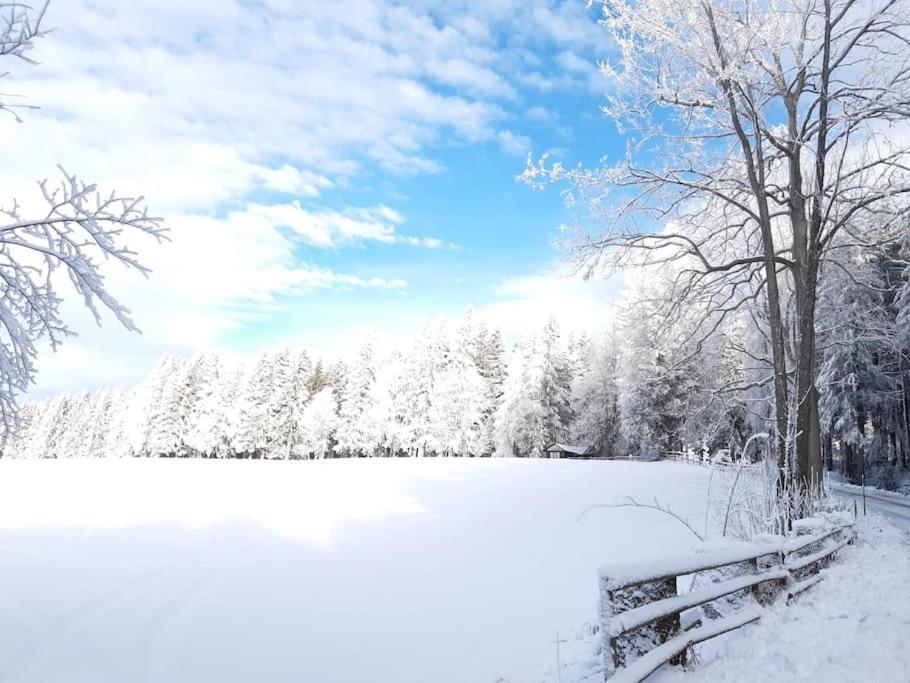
[563, 450]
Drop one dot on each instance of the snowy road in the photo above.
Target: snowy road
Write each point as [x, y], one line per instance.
[892, 506]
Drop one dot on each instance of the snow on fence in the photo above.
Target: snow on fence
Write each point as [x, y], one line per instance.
[690, 457]
[642, 609]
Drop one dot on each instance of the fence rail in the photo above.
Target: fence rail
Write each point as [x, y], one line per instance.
[642, 609]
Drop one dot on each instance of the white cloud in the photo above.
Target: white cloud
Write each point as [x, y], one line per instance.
[572, 62]
[524, 303]
[326, 228]
[542, 115]
[212, 108]
[514, 144]
[290, 180]
[428, 242]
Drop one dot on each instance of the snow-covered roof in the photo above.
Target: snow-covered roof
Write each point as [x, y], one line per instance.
[567, 448]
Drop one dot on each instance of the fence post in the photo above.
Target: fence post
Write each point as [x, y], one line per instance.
[620, 651]
[766, 593]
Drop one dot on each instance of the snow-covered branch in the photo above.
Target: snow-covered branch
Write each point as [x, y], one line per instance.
[20, 26]
[79, 230]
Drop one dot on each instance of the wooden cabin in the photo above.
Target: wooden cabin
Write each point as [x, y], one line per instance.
[563, 450]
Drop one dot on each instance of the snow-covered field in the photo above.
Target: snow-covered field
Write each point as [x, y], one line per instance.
[398, 571]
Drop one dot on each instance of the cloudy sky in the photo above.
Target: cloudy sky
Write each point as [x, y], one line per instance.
[326, 169]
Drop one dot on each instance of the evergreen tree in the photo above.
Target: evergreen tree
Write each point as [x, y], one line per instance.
[252, 437]
[595, 400]
[357, 433]
[318, 422]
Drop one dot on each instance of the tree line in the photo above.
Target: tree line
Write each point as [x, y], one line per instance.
[455, 391]
[651, 384]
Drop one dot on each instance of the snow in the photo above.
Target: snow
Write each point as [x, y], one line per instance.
[853, 626]
[388, 570]
[694, 559]
[651, 661]
[649, 612]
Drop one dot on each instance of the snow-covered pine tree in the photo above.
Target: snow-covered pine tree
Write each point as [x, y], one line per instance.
[460, 394]
[168, 428]
[193, 418]
[100, 423]
[595, 400]
[148, 411]
[417, 384]
[317, 379]
[72, 437]
[862, 368]
[226, 418]
[252, 438]
[198, 407]
[117, 441]
[357, 434]
[519, 419]
[488, 353]
[318, 422]
[556, 384]
[283, 405]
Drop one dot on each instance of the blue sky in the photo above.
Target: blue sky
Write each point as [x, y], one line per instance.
[327, 170]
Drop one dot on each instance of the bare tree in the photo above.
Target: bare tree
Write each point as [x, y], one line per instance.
[78, 229]
[764, 135]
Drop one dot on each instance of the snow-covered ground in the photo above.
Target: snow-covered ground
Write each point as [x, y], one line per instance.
[853, 626]
[398, 571]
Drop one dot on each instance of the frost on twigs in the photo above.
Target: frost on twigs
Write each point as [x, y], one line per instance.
[20, 25]
[79, 229]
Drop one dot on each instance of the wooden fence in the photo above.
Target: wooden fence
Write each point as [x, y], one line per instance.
[641, 608]
[693, 458]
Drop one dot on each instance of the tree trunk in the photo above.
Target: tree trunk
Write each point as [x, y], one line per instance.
[808, 428]
[905, 404]
[778, 355]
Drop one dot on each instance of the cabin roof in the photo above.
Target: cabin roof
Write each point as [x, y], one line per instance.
[569, 448]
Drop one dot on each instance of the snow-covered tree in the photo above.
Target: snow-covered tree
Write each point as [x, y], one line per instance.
[760, 136]
[286, 395]
[224, 414]
[492, 365]
[460, 395]
[863, 373]
[117, 441]
[536, 408]
[78, 229]
[357, 432]
[520, 417]
[595, 397]
[413, 397]
[199, 405]
[255, 415]
[318, 422]
[556, 383]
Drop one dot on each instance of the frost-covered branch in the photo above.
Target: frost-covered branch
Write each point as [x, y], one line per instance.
[20, 26]
[80, 229]
[645, 506]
